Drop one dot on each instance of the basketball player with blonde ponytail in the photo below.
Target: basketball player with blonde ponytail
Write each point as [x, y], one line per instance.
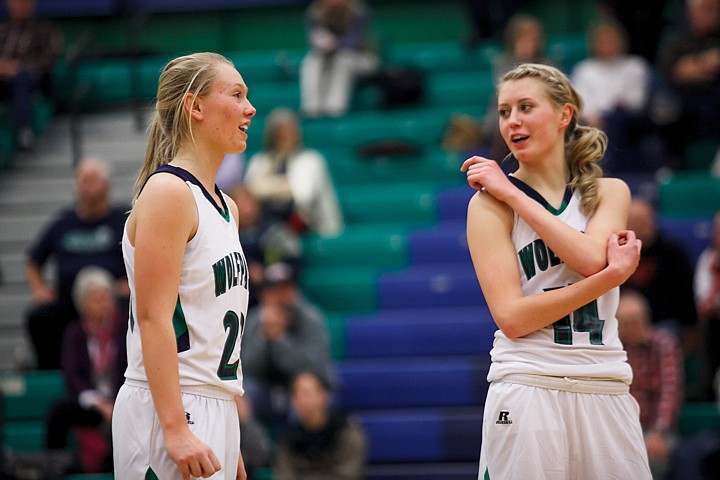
[175, 416]
[550, 248]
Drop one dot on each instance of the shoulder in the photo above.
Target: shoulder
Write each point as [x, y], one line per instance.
[483, 204]
[166, 197]
[613, 187]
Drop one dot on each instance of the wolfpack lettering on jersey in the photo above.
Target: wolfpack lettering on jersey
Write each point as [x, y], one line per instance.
[588, 337]
[212, 301]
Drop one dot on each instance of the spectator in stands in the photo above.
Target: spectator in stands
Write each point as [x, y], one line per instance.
[690, 63]
[29, 48]
[656, 360]
[524, 42]
[707, 296]
[93, 367]
[321, 443]
[643, 20]
[87, 233]
[284, 335]
[615, 86]
[340, 53]
[488, 19]
[291, 181]
[664, 275]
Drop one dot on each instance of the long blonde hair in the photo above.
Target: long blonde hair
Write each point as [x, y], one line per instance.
[171, 124]
[584, 145]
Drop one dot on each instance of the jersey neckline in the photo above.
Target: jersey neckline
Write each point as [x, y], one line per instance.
[224, 211]
[535, 195]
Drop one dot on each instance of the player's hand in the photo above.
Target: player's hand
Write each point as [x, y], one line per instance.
[623, 254]
[241, 474]
[483, 173]
[192, 456]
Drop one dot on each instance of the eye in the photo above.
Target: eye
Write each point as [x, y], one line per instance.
[503, 112]
[525, 107]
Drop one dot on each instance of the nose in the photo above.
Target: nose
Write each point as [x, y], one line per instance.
[513, 118]
[250, 111]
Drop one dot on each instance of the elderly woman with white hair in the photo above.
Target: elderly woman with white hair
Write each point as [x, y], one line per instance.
[93, 364]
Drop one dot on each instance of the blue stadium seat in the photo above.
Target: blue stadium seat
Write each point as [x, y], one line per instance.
[407, 382]
[426, 435]
[420, 332]
[452, 203]
[445, 285]
[694, 233]
[423, 471]
[444, 243]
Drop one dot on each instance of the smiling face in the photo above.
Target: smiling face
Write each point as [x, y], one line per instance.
[530, 123]
[226, 110]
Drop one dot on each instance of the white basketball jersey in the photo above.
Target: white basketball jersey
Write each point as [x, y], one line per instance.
[583, 344]
[212, 301]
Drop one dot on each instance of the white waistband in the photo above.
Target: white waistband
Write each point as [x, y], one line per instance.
[203, 390]
[569, 384]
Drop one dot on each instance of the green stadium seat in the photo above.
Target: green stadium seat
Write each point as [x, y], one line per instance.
[383, 245]
[401, 204]
[30, 395]
[25, 436]
[689, 194]
[700, 154]
[340, 289]
[449, 56]
[697, 416]
[459, 88]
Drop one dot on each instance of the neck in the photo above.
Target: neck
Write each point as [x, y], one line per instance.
[201, 163]
[93, 211]
[316, 421]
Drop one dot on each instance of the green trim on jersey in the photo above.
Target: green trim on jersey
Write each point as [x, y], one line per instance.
[150, 475]
[487, 475]
[182, 335]
[132, 321]
[557, 211]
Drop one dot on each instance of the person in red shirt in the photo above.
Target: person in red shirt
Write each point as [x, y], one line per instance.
[656, 360]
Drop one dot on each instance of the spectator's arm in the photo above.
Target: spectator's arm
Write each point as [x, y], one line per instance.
[671, 393]
[351, 454]
[307, 347]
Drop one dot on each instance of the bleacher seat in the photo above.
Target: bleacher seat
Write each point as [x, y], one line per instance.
[420, 332]
[378, 245]
[423, 471]
[689, 194]
[443, 243]
[412, 382]
[342, 289]
[446, 285]
[422, 435]
[694, 233]
[28, 398]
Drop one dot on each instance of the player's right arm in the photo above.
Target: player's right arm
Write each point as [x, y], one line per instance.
[163, 220]
[489, 228]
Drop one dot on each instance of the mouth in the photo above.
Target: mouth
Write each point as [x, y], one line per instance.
[518, 138]
[243, 128]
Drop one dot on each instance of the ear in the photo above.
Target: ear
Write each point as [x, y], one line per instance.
[191, 104]
[566, 115]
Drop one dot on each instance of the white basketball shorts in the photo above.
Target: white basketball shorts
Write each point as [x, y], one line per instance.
[537, 427]
[138, 444]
